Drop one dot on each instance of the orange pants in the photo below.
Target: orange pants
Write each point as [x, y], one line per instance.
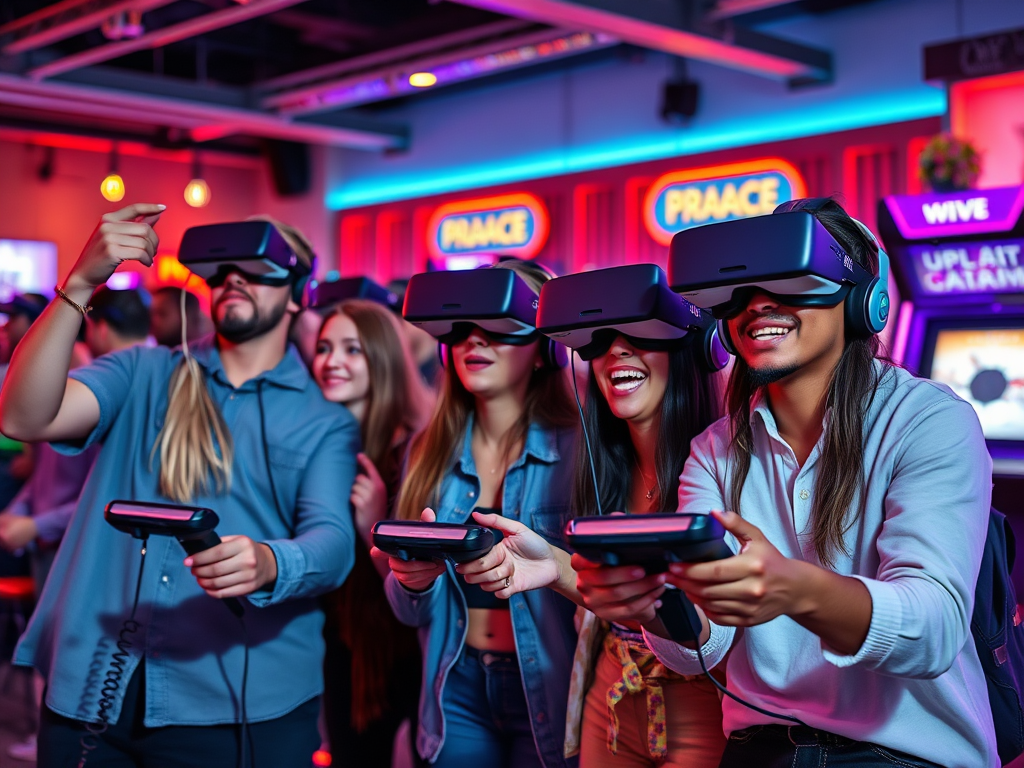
[693, 720]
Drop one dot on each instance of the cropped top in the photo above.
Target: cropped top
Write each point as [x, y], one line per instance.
[476, 596]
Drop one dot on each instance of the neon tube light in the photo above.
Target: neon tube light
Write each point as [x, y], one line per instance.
[738, 132]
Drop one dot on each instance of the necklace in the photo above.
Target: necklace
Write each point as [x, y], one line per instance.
[653, 487]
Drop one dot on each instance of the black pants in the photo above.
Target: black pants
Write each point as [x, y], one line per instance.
[287, 742]
[782, 746]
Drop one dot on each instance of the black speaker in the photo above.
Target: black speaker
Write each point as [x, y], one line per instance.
[679, 100]
[289, 166]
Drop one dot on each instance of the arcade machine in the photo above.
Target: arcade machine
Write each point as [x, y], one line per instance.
[958, 260]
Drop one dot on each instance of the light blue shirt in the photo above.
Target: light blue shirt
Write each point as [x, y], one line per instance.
[916, 684]
[193, 646]
[536, 493]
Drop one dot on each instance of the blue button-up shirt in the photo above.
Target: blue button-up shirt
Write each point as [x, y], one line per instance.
[536, 493]
[193, 646]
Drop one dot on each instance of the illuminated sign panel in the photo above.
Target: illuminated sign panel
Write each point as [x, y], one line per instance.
[955, 214]
[684, 199]
[993, 266]
[515, 224]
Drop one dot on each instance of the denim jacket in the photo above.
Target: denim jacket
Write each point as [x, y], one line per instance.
[536, 493]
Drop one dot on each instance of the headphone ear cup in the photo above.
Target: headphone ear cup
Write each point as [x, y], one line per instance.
[724, 339]
[555, 355]
[299, 294]
[442, 354]
[716, 356]
[856, 310]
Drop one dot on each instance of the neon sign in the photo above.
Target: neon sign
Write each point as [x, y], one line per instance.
[954, 214]
[988, 267]
[515, 224]
[684, 199]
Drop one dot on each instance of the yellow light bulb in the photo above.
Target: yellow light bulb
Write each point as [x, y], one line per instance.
[197, 193]
[112, 188]
[422, 79]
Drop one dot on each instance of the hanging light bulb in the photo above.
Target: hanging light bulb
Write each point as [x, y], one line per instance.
[197, 191]
[112, 187]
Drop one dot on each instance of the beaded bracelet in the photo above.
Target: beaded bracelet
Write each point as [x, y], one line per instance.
[67, 299]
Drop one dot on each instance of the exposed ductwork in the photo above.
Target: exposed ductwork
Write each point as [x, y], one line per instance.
[662, 25]
[204, 122]
[66, 19]
[161, 37]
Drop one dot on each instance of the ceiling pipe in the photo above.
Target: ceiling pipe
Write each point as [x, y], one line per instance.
[63, 20]
[453, 67]
[158, 38]
[204, 121]
[390, 55]
[660, 27]
[726, 9]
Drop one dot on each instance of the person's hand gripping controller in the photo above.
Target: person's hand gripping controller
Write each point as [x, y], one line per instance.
[414, 575]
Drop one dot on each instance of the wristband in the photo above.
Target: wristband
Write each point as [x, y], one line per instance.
[68, 300]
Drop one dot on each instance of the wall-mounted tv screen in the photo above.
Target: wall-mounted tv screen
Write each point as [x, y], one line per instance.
[27, 266]
[984, 366]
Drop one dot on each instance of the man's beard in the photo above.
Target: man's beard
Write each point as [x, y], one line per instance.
[762, 377]
[238, 329]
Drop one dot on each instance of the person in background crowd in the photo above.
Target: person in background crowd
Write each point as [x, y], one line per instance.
[643, 407]
[118, 320]
[496, 675]
[864, 494]
[165, 316]
[237, 426]
[421, 343]
[372, 665]
[40, 512]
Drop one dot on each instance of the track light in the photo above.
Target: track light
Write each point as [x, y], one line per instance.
[112, 187]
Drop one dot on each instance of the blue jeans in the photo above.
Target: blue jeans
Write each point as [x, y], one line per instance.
[783, 746]
[487, 721]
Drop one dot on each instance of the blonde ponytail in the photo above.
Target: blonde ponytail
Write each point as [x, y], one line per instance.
[194, 429]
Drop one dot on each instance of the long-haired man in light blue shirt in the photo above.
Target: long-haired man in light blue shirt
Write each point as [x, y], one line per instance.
[860, 500]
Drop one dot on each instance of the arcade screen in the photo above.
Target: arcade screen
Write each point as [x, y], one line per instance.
[985, 366]
[27, 266]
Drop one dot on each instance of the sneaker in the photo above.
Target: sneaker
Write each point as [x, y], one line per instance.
[23, 750]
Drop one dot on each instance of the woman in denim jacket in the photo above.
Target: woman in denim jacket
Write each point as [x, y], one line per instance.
[495, 672]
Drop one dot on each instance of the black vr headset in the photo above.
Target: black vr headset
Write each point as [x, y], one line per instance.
[254, 248]
[449, 305]
[788, 255]
[326, 295]
[587, 311]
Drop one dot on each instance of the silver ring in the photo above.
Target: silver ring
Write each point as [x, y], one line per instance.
[508, 582]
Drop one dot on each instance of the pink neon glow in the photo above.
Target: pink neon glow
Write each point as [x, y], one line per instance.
[625, 524]
[902, 330]
[156, 514]
[422, 532]
[1004, 206]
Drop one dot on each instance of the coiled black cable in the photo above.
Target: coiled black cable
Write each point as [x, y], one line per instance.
[112, 681]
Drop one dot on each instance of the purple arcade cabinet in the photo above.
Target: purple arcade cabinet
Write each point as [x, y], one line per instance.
[958, 259]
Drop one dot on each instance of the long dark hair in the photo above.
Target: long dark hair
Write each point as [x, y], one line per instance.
[690, 405]
[433, 452]
[840, 469]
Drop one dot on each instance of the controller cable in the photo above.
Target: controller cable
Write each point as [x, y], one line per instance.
[112, 681]
[677, 613]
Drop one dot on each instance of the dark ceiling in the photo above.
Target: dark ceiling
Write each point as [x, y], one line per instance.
[227, 72]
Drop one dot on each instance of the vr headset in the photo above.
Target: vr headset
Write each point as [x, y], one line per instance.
[449, 305]
[587, 311]
[326, 295]
[788, 255]
[254, 248]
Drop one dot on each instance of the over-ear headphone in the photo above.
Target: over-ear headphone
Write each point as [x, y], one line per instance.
[302, 285]
[866, 308]
[715, 347]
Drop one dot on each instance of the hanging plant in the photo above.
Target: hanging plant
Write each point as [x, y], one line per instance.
[947, 164]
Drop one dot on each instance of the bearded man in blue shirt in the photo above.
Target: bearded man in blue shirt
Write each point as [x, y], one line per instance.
[239, 427]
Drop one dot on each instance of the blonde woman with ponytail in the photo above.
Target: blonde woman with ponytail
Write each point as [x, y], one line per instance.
[235, 424]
